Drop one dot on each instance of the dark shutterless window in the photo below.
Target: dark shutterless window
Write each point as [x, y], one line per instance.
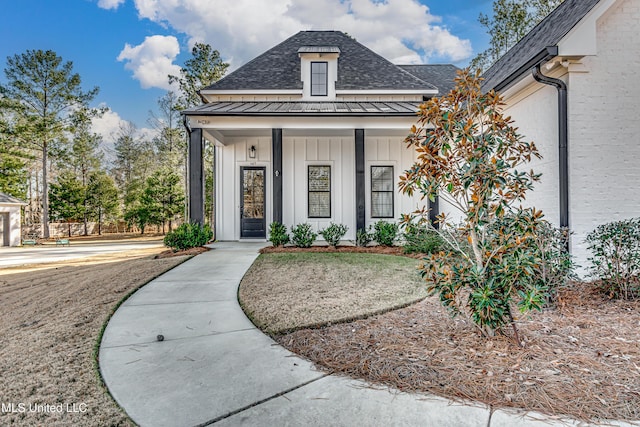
[382, 191]
[319, 79]
[319, 189]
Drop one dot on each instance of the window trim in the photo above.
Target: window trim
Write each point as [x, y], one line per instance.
[392, 191]
[326, 78]
[309, 191]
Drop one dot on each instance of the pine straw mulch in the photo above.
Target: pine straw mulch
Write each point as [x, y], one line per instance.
[383, 250]
[581, 359]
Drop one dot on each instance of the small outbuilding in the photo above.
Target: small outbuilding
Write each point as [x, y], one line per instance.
[10, 220]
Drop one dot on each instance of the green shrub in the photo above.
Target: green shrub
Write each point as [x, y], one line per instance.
[333, 233]
[385, 233]
[524, 259]
[556, 263]
[363, 237]
[188, 236]
[421, 239]
[616, 257]
[278, 235]
[302, 235]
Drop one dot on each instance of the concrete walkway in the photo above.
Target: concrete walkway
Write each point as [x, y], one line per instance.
[215, 367]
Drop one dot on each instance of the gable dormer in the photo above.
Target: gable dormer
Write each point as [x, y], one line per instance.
[319, 72]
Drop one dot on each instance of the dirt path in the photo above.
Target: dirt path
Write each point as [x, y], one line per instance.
[51, 317]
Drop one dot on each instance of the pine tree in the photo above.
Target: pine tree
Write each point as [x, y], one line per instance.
[40, 91]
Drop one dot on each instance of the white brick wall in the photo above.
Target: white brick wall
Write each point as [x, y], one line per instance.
[604, 131]
[604, 128]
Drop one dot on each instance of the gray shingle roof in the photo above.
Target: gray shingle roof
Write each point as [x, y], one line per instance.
[548, 32]
[440, 75]
[359, 68]
[301, 108]
[5, 198]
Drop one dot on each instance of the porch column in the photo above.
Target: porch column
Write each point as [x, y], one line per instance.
[276, 148]
[434, 211]
[196, 176]
[360, 189]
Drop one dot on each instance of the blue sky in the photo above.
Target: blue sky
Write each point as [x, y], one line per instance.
[127, 47]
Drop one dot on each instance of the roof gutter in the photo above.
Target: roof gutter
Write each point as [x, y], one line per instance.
[563, 139]
[544, 55]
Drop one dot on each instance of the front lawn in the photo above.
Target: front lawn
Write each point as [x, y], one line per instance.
[288, 291]
[581, 359]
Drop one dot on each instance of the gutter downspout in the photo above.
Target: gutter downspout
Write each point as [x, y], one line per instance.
[563, 138]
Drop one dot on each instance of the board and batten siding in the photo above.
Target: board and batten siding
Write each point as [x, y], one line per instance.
[298, 153]
[228, 162]
[390, 150]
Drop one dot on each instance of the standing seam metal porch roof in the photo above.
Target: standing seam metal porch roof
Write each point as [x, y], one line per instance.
[289, 108]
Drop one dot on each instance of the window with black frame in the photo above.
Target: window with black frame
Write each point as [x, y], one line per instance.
[319, 189]
[382, 191]
[319, 78]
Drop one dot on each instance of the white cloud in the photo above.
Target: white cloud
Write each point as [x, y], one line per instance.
[110, 4]
[404, 31]
[109, 126]
[152, 60]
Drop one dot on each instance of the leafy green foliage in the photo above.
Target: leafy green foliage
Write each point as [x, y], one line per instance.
[188, 236]
[511, 21]
[102, 198]
[278, 235]
[41, 90]
[420, 238]
[334, 233]
[302, 235]
[67, 197]
[363, 237]
[385, 233]
[469, 155]
[204, 68]
[163, 196]
[616, 257]
[520, 269]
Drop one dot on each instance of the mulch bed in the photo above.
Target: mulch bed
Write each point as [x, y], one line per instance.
[581, 359]
[384, 250]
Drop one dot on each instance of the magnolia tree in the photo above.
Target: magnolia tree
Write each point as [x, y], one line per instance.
[470, 156]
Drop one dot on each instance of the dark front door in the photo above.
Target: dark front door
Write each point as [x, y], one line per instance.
[252, 202]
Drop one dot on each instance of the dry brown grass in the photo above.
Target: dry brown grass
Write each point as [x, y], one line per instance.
[581, 359]
[50, 320]
[287, 291]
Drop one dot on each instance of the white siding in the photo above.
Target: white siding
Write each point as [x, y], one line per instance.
[228, 162]
[604, 98]
[536, 115]
[390, 150]
[13, 227]
[336, 151]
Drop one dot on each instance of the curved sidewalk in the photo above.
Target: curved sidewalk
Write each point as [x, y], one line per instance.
[215, 368]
